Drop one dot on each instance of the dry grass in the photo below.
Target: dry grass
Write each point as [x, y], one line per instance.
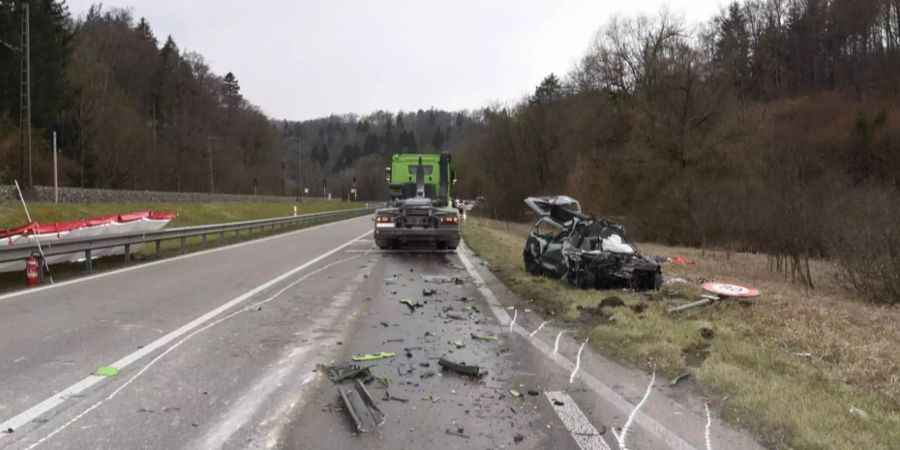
[788, 367]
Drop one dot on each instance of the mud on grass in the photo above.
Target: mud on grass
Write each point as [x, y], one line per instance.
[788, 367]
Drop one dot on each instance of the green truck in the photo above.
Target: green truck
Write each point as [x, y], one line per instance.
[420, 209]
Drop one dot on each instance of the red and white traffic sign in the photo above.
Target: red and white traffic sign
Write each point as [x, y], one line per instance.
[730, 290]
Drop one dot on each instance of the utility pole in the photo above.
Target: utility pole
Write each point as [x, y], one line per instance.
[25, 95]
[299, 162]
[55, 172]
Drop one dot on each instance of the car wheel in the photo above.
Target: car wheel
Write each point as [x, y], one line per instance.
[531, 264]
[657, 281]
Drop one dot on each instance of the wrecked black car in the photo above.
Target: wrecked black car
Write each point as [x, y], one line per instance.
[587, 251]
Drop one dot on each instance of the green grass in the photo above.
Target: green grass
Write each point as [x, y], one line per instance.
[752, 374]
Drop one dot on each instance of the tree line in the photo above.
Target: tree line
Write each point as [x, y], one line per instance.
[771, 128]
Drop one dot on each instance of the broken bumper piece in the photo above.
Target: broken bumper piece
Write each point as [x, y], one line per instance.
[361, 407]
[462, 369]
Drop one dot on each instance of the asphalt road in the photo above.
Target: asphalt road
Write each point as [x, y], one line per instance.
[219, 349]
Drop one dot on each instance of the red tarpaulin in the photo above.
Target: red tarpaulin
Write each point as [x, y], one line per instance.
[59, 227]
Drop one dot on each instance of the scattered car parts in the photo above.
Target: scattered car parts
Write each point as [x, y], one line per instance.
[361, 407]
[460, 368]
[587, 251]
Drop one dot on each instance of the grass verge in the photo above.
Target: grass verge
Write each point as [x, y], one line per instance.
[789, 367]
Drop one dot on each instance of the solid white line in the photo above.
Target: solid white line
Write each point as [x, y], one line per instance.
[556, 345]
[513, 322]
[539, 328]
[37, 410]
[621, 437]
[577, 362]
[164, 260]
[708, 423]
[648, 423]
[584, 434]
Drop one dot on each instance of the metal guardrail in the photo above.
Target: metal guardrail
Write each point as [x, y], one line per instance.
[87, 244]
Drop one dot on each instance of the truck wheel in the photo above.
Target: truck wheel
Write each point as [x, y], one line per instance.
[452, 245]
[382, 244]
[441, 245]
[395, 244]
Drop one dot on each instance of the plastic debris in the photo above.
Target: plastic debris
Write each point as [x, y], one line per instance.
[428, 292]
[484, 337]
[431, 398]
[515, 393]
[345, 372]
[107, 371]
[859, 413]
[412, 306]
[457, 432]
[374, 356]
[361, 407]
[678, 378]
[459, 344]
[462, 369]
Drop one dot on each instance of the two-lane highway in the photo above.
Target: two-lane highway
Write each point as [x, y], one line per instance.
[219, 349]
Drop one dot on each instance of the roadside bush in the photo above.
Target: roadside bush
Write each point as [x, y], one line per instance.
[865, 240]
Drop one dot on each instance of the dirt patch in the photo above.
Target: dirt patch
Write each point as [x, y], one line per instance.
[695, 354]
[592, 316]
[611, 302]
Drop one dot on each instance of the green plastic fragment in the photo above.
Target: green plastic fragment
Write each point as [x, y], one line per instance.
[431, 398]
[107, 371]
[515, 393]
[374, 356]
[677, 378]
[484, 337]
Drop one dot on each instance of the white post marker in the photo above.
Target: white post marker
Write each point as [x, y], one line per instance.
[55, 172]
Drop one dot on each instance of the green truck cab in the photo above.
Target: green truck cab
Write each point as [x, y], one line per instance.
[420, 209]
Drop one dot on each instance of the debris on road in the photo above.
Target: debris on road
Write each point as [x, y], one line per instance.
[428, 292]
[389, 397]
[457, 432]
[345, 372]
[484, 337]
[462, 369]
[374, 356]
[460, 344]
[431, 398]
[412, 306]
[107, 371]
[515, 393]
[361, 407]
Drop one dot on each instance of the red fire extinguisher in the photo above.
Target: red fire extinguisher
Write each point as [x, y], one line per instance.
[31, 271]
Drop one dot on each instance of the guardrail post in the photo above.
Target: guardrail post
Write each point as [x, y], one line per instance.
[182, 244]
[221, 236]
[127, 253]
[158, 252]
[88, 263]
[204, 239]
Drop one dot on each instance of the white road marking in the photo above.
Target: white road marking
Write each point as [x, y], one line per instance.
[163, 261]
[708, 423]
[538, 328]
[577, 361]
[56, 399]
[247, 406]
[648, 423]
[513, 322]
[556, 345]
[585, 435]
[624, 434]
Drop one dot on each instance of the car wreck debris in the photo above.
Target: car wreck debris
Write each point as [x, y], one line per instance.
[374, 356]
[412, 306]
[462, 369]
[345, 372]
[361, 407]
[484, 337]
[586, 251]
[718, 292]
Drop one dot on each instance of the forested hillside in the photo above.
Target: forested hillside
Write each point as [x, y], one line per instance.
[132, 110]
[774, 127]
[340, 149]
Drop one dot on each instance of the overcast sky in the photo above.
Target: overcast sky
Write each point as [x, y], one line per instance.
[301, 59]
